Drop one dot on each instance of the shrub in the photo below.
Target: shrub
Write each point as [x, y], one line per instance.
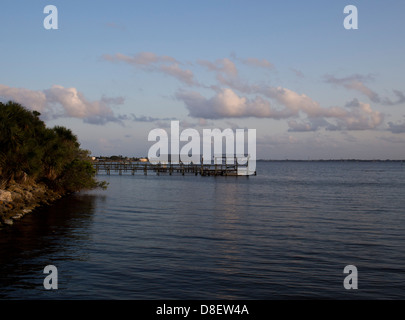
[29, 151]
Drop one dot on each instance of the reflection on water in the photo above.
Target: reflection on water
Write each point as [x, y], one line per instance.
[43, 237]
[286, 233]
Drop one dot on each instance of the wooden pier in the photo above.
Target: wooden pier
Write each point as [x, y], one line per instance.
[145, 168]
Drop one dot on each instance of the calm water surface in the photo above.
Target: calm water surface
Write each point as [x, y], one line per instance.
[286, 233]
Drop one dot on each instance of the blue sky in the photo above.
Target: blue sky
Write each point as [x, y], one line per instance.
[114, 70]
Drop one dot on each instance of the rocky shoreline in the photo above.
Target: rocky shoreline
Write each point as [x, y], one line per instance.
[17, 200]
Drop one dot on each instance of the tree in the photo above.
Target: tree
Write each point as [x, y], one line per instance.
[29, 151]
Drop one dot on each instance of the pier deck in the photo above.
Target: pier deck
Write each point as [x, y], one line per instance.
[135, 167]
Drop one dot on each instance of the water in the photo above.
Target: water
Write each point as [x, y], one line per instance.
[286, 233]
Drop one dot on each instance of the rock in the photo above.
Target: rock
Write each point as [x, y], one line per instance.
[20, 199]
[8, 222]
[17, 216]
[28, 196]
[5, 196]
[16, 196]
[16, 188]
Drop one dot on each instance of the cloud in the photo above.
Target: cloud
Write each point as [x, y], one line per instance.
[396, 127]
[133, 117]
[59, 101]
[298, 73]
[36, 100]
[226, 104]
[360, 116]
[164, 123]
[235, 84]
[149, 61]
[233, 97]
[221, 66]
[355, 82]
[355, 115]
[114, 25]
[400, 99]
[313, 124]
[262, 63]
[293, 101]
[227, 68]
[113, 100]
[277, 141]
[139, 59]
[185, 76]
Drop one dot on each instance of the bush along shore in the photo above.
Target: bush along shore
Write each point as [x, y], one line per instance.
[38, 165]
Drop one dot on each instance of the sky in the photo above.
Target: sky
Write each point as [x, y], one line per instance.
[115, 70]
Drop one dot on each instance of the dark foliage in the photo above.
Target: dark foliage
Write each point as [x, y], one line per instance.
[31, 152]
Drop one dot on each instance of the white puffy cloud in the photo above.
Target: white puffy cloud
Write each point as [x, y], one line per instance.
[292, 100]
[227, 104]
[59, 101]
[355, 115]
[36, 100]
[360, 116]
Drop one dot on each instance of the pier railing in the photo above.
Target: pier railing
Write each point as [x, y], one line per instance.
[218, 168]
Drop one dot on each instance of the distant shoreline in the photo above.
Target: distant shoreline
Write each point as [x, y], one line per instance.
[283, 160]
[329, 160]
[129, 159]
